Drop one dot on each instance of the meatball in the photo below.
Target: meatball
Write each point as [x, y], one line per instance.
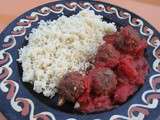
[130, 42]
[111, 38]
[133, 70]
[123, 92]
[71, 87]
[100, 83]
[142, 66]
[126, 66]
[103, 81]
[107, 56]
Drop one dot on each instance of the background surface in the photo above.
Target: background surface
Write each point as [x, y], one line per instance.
[148, 9]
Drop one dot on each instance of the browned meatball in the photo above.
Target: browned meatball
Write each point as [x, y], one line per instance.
[108, 55]
[104, 81]
[71, 86]
[130, 42]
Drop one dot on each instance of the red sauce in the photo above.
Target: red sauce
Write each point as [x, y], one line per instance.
[119, 70]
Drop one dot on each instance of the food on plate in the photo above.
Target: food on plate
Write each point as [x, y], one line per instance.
[58, 47]
[103, 81]
[107, 56]
[115, 74]
[85, 60]
[129, 42]
[71, 86]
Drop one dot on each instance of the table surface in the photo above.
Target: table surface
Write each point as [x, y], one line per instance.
[145, 8]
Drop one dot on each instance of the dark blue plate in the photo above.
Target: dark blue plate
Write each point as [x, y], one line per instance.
[19, 102]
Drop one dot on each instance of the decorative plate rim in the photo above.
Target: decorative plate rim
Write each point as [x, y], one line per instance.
[150, 97]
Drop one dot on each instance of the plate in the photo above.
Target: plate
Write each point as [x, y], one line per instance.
[19, 102]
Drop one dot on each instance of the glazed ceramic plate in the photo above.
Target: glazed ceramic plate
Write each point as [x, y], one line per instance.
[19, 102]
